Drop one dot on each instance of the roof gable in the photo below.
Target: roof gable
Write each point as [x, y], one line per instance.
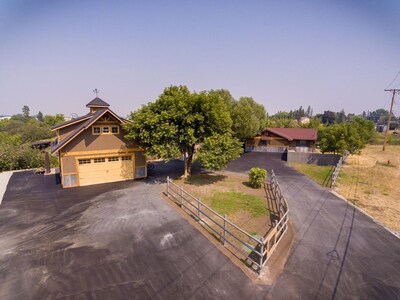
[94, 117]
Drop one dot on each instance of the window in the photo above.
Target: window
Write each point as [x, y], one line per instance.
[126, 158]
[96, 130]
[115, 158]
[84, 161]
[99, 160]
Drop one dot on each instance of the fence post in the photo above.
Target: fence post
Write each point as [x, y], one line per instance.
[224, 243]
[181, 196]
[167, 186]
[198, 209]
[262, 254]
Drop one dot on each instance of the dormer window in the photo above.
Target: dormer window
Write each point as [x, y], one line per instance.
[96, 130]
[115, 129]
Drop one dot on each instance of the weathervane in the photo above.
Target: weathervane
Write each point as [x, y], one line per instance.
[96, 91]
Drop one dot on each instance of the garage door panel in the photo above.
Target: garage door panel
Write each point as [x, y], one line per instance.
[107, 171]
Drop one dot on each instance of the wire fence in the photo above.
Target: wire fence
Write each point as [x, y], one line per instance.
[338, 167]
[253, 250]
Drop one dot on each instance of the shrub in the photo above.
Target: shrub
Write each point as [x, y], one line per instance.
[257, 177]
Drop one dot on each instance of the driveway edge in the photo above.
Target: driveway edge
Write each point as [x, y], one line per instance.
[395, 233]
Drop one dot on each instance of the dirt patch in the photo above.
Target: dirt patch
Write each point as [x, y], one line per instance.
[372, 181]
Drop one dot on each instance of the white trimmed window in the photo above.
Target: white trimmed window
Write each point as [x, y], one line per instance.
[115, 129]
[115, 158]
[99, 160]
[96, 130]
[106, 129]
[84, 161]
[126, 158]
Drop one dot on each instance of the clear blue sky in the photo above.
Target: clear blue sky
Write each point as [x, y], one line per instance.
[327, 54]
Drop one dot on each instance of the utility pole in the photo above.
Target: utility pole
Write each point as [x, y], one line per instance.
[394, 91]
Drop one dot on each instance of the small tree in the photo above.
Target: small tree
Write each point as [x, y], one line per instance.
[257, 177]
[39, 116]
[25, 111]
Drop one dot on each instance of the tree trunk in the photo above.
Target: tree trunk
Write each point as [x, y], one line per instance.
[188, 159]
[185, 171]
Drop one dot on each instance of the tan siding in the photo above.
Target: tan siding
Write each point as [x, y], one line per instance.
[68, 164]
[140, 159]
[86, 141]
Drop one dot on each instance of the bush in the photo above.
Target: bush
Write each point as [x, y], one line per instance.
[257, 177]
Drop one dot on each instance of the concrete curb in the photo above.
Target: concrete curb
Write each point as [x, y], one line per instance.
[395, 233]
[4, 179]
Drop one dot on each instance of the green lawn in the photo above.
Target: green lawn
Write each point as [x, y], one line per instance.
[231, 202]
[319, 174]
[378, 138]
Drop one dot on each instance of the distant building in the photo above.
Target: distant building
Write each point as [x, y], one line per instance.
[304, 120]
[283, 139]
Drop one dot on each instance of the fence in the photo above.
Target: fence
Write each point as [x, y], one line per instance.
[278, 149]
[254, 250]
[338, 167]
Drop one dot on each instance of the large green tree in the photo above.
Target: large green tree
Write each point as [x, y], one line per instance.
[179, 122]
[249, 118]
[351, 136]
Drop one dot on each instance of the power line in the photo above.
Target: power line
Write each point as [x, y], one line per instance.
[393, 80]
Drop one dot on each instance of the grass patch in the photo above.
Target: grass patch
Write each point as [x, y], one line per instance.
[319, 174]
[378, 138]
[231, 202]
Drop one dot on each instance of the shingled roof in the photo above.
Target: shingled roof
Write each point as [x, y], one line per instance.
[308, 134]
[97, 102]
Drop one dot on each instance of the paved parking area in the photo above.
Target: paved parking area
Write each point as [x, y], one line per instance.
[111, 241]
[338, 252]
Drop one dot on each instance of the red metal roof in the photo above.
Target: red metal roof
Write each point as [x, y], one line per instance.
[308, 134]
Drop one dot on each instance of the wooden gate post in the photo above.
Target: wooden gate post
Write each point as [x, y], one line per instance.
[168, 186]
[224, 243]
[262, 254]
[198, 209]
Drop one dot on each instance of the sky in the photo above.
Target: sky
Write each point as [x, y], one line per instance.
[331, 55]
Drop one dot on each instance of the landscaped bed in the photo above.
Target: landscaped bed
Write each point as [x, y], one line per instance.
[229, 194]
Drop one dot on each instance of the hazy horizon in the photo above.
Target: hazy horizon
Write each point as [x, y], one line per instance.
[331, 56]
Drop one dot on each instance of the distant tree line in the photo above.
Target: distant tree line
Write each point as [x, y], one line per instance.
[17, 134]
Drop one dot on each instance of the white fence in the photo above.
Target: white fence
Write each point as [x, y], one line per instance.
[253, 250]
[265, 149]
[338, 167]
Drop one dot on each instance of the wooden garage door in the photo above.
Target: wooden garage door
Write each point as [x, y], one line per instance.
[105, 169]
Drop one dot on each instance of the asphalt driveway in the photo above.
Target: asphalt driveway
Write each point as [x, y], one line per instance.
[111, 241]
[338, 252]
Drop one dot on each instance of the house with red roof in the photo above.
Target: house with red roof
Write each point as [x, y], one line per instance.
[283, 139]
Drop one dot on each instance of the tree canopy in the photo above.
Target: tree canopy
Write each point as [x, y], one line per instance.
[179, 122]
[351, 136]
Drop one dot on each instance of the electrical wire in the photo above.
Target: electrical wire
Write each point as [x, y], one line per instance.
[393, 80]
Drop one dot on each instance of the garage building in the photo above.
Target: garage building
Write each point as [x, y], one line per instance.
[92, 148]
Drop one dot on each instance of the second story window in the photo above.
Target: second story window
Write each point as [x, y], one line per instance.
[96, 130]
[106, 129]
[115, 129]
